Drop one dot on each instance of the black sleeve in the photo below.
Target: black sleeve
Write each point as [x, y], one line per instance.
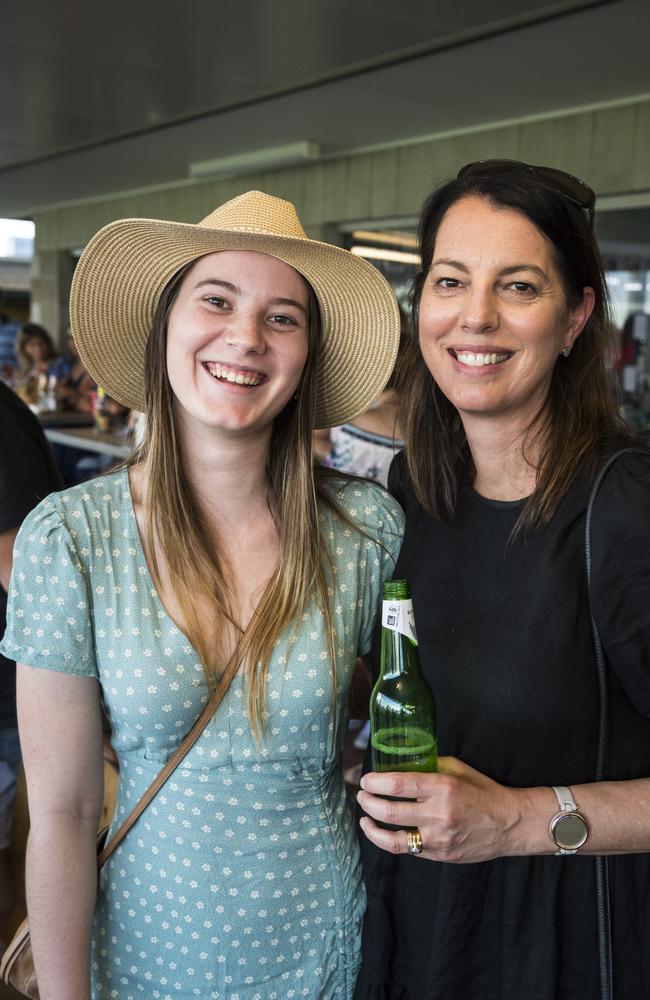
[620, 541]
[398, 479]
[24, 475]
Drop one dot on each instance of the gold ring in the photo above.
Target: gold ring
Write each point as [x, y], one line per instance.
[414, 841]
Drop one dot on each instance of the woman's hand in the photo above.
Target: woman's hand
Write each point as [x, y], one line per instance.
[462, 815]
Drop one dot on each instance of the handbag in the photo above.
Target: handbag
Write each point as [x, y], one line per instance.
[17, 964]
[602, 752]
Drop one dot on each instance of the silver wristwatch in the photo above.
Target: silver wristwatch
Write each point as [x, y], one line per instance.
[568, 828]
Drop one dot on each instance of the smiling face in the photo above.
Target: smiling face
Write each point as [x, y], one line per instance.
[493, 314]
[36, 349]
[237, 341]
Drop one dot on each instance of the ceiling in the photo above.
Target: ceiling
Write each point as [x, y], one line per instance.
[119, 96]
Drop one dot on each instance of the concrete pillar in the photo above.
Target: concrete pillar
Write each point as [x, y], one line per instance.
[51, 277]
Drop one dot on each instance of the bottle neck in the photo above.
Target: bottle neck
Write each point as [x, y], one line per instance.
[399, 639]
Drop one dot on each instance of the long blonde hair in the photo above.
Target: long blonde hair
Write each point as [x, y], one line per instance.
[175, 520]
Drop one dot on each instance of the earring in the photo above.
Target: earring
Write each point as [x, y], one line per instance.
[565, 352]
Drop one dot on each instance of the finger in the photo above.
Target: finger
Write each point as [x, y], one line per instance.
[393, 841]
[400, 784]
[401, 814]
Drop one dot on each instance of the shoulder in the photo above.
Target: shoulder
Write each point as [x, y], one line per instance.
[368, 506]
[70, 510]
[399, 481]
[363, 500]
[624, 491]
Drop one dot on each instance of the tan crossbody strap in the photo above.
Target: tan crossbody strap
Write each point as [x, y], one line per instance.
[180, 752]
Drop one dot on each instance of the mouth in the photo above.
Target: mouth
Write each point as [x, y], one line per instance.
[475, 359]
[234, 375]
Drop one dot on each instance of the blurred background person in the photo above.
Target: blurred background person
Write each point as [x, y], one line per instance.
[74, 386]
[35, 352]
[9, 329]
[367, 445]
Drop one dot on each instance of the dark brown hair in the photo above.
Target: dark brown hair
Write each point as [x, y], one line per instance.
[32, 331]
[581, 408]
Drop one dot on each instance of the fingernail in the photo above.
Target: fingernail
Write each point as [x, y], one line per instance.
[362, 782]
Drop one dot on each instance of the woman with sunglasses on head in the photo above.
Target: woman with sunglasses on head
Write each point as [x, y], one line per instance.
[508, 418]
[217, 563]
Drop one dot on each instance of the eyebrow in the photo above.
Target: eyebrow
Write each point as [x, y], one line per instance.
[290, 302]
[218, 281]
[233, 288]
[511, 269]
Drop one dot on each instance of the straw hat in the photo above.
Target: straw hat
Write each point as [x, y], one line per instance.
[126, 265]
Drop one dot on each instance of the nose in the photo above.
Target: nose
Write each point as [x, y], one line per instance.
[480, 313]
[245, 334]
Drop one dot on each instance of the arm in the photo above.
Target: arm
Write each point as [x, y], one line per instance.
[61, 737]
[464, 816]
[7, 539]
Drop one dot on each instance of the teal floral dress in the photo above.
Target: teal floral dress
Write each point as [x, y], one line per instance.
[241, 880]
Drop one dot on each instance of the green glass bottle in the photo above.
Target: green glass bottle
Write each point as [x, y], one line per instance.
[402, 709]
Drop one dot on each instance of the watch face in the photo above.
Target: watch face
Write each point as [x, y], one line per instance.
[570, 831]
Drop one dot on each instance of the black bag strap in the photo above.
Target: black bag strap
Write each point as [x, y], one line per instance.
[602, 748]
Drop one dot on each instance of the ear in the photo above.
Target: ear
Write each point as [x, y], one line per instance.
[579, 316]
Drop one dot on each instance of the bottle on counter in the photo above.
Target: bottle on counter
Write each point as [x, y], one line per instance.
[50, 402]
[100, 410]
[402, 708]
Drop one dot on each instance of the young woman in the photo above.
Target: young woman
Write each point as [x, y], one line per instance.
[508, 417]
[35, 351]
[241, 879]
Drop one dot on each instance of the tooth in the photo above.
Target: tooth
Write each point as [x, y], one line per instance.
[477, 360]
[232, 377]
[239, 379]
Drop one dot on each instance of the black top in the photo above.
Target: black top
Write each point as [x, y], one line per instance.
[27, 474]
[505, 643]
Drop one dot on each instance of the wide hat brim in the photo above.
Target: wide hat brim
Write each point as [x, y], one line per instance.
[126, 265]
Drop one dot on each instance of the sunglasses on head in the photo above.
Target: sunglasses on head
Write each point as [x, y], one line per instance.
[572, 188]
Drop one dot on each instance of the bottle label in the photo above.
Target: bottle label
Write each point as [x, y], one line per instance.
[398, 617]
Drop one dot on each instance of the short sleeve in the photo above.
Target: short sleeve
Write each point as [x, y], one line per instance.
[49, 621]
[620, 541]
[380, 520]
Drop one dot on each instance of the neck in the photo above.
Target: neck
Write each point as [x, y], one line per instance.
[505, 456]
[228, 474]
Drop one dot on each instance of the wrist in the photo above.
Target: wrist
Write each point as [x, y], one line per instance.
[568, 828]
[530, 832]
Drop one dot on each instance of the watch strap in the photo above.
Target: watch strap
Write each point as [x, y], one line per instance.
[565, 798]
